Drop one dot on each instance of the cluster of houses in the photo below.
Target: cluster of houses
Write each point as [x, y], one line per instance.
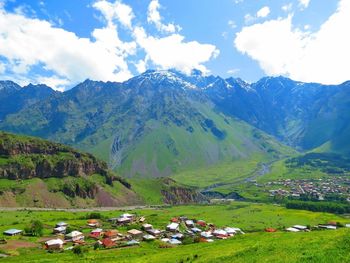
[317, 188]
[174, 233]
[301, 228]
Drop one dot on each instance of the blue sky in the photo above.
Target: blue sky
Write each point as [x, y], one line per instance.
[61, 43]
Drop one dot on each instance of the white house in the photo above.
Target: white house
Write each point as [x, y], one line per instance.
[300, 227]
[75, 236]
[149, 237]
[173, 227]
[147, 226]
[189, 223]
[12, 232]
[196, 230]
[54, 244]
[206, 235]
[61, 224]
[292, 229]
[59, 230]
[174, 242]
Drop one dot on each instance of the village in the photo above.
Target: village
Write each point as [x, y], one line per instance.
[319, 189]
[129, 230]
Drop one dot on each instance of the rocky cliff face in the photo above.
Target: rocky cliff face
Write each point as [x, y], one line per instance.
[176, 194]
[26, 157]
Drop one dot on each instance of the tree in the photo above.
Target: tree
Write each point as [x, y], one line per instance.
[35, 228]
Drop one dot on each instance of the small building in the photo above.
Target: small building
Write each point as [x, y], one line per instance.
[93, 223]
[148, 237]
[270, 230]
[54, 244]
[147, 226]
[292, 229]
[219, 233]
[174, 242]
[126, 215]
[300, 227]
[201, 223]
[75, 236]
[329, 227]
[63, 224]
[177, 236]
[189, 223]
[60, 230]
[206, 235]
[196, 230]
[124, 220]
[142, 219]
[173, 227]
[12, 232]
[111, 233]
[135, 233]
[183, 218]
[174, 220]
[133, 243]
[107, 242]
[189, 232]
[154, 232]
[96, 233]
[347, 225]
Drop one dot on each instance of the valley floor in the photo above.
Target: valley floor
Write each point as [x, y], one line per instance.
[255, 246]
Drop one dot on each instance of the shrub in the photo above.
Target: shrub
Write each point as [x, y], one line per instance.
[79, 250]
[34, 229]
[94, 215]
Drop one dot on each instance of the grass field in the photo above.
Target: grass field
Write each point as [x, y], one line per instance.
[316, 246]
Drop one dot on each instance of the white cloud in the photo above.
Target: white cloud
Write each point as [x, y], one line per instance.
[27, 42]
[287, 7]
[232, 24]
[263, 12]
[54, 82]
[35, 50]
[322, 56]
[117, 10]
[141, 66]
[173, 52]
[233, 71]
[248, 18]
[153, 16]
[304, 3]
[2, 68]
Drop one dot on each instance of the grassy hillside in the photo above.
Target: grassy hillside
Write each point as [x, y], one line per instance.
[65, 192]
[159, 126]
[316, 246]
[39, 173]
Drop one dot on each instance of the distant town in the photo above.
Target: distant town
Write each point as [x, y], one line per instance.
[335, 188]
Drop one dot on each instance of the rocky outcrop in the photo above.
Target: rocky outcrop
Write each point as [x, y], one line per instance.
[176, 194]
[27, 157]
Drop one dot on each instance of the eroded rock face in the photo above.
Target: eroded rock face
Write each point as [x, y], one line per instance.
[176, 194]
[28, 157]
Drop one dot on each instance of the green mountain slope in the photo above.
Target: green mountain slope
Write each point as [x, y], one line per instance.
[153, 125]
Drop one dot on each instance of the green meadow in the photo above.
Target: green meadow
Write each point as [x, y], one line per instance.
[253, 218]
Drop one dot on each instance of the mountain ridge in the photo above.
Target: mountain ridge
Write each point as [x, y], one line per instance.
[148, 123]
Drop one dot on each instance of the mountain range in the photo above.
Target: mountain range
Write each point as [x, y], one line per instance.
[163, 122]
